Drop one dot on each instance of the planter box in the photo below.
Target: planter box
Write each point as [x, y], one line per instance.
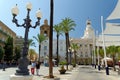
[62, 71]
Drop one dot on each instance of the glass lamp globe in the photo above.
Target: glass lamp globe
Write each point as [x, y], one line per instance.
[29, 6]
[39, 14]
[15, 10]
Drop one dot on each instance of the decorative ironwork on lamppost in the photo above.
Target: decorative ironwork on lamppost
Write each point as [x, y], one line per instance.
[23, 61]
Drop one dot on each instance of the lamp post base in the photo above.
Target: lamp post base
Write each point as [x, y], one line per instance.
[23, 66]
[17, 77]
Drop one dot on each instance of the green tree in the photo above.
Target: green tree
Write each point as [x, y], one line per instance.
[112, 50]
[67, 25]
[17, 53]
[118, 52]
[40, 38]
[75, 47]
[8, 49]
[32, 54]
[101, 52]
[58, 30]
[1, 53]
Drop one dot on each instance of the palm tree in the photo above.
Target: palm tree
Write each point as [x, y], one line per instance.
[58, 30]
[112, 50]
[40, 38]
[30, 43]
[75, 47]
[51, 39]
[67, 25]
[118, 52]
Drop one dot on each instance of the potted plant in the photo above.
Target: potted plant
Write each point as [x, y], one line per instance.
[74, 65]
[62, 70]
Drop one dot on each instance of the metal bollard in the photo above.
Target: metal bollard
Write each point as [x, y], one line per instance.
[107, 70]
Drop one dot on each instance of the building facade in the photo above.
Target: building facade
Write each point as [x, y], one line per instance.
[5, 31]
[84, 53]
[86, 45]
[45, 48]
[19, 41]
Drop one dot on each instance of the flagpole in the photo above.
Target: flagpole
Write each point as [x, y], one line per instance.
[94, 41]
[93, 53]
[106, 66]
[98, 57]
[98, 52]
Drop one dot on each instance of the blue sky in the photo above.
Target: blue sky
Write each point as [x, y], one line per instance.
[77, 10]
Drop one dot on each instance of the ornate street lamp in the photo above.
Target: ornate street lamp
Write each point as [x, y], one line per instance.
[23, 61]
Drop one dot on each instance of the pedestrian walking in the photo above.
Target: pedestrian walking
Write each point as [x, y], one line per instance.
[33, 64]
[37, 67]
[4, 65]
[119, 63]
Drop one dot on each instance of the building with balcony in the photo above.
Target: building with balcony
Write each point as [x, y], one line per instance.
[5, 31]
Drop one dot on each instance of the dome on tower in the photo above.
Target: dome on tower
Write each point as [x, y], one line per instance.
[89, 31]
[88, 22]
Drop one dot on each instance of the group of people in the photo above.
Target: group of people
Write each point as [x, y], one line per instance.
[35, 66]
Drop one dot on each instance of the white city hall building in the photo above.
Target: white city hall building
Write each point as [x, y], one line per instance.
[86, 44]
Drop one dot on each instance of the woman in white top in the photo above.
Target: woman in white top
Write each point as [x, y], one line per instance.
[33, 65]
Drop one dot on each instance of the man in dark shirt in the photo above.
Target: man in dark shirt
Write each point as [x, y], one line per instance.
[37, 67]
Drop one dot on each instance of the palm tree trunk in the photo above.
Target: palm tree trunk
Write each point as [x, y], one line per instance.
[39, 52]
[51, 39]
[69, 53]
[66, 35]
[68, 41]
[114, 63]
[75, 57]
[57, 49]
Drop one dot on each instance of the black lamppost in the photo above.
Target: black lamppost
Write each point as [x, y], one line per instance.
[23, 61]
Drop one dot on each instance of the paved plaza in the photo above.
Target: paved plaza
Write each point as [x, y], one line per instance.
[90, 73]
[78, 73]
